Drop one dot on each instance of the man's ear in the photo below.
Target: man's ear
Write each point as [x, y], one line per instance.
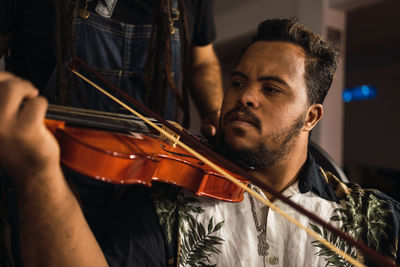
[314, 114]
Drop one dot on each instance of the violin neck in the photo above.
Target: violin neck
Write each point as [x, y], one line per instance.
[97, 119]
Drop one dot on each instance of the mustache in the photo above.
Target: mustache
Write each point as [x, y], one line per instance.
[242, 113]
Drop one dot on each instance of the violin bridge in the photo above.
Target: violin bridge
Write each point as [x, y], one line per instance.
[169, 131]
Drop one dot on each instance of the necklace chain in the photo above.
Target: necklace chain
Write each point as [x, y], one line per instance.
[262, 244]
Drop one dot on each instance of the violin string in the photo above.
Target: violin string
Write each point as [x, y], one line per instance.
[95, 113]
[81, 111]
[265, 201]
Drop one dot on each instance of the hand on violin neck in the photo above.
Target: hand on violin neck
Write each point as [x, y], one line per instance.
[210, 123]
[27, 147]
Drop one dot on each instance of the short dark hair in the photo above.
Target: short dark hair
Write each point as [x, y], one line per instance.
[321, 59]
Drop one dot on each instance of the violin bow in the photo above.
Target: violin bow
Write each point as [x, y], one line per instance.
[196, 144]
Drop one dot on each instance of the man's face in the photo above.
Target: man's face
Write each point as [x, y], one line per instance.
[265, 105]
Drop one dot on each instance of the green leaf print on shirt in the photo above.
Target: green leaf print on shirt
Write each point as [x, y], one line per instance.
[175, 211]
[365, 217]
[199, 243]
[332, 259]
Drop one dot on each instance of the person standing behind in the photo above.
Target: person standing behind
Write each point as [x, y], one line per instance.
[118, 39]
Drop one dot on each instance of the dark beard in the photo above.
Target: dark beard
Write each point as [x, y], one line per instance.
[260, 156]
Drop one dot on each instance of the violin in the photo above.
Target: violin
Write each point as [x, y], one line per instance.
[131, 154]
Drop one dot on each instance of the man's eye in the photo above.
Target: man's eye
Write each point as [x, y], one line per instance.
[237, 84]
[269, 89]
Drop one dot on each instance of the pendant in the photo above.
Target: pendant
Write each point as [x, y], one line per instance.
[262, 245]
[84, 13]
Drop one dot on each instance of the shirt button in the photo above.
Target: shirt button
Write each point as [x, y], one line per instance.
[273, 260]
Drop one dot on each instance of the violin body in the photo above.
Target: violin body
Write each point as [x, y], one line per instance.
[136, 158]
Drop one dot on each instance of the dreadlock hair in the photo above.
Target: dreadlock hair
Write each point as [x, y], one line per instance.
[65, 12]
[158, 72]
[159, 78]
[320, 62]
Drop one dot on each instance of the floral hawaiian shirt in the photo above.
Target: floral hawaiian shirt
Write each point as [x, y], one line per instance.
[217, 233]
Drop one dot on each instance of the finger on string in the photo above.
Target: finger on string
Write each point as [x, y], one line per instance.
[208, 130]
[33, 112]
[13, 93]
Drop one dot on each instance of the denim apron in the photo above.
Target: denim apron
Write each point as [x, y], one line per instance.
[119, 52]
[127, 229]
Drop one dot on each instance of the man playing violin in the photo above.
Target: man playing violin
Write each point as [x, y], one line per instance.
[272, 103]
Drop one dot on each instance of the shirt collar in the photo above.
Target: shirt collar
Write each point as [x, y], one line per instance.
[311, 179]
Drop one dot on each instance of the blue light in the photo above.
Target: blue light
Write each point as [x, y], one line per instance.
[346, 96]
[362, 92]
[365, 90]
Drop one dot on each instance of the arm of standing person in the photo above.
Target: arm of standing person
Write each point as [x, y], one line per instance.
[206, 87]
[52, 228]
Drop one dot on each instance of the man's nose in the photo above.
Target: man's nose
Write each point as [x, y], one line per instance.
[250, 97]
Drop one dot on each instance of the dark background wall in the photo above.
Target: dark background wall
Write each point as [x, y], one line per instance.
[372, 127]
